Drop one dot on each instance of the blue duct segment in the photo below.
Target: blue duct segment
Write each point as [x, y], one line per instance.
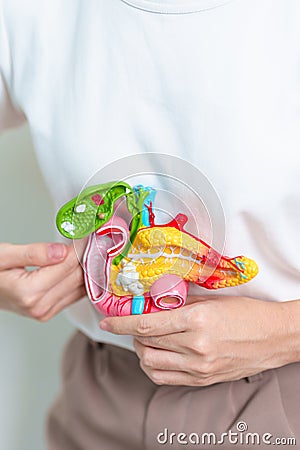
[136, 190]
[150, 199]
[137, 305]
[241, 265]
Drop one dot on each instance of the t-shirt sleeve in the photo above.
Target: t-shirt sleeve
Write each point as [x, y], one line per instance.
[10, 114]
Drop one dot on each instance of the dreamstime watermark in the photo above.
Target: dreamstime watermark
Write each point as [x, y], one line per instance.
[239, 437]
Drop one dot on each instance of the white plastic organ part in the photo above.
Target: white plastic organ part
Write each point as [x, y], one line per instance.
[80, 208]
[128, 278]
[160, 253]
[68, 227]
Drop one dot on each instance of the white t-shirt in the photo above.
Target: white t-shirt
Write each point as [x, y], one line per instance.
[212, 81]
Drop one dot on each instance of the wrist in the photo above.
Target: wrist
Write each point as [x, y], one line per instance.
[288, 313]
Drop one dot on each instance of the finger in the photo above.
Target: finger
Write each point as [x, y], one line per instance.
[177, 378]
[155, 324]
[48, 277]
[37, 254]
[59, 292]
[191, 299]
[176, 342]
[154, 358]
[173, 378]
[71, 298]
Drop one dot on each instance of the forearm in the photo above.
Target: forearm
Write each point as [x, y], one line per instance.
[290, 320]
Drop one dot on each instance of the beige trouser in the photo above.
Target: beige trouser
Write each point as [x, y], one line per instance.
[108, 403]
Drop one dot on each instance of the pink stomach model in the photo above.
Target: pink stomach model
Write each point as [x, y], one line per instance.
[169, 291]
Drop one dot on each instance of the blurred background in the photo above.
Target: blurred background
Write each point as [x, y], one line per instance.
[30, 351]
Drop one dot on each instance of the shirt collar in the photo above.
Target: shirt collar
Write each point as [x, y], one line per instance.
[176, 6]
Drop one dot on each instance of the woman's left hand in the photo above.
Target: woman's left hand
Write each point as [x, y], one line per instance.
[212, 339]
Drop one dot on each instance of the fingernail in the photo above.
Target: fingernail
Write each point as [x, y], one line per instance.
[56, 251]
[104, 325]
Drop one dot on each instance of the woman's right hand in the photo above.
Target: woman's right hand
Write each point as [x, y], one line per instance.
[45, 291]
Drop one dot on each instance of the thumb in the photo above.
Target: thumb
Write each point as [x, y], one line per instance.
[37, 254]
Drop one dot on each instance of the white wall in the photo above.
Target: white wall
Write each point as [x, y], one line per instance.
[29, 351]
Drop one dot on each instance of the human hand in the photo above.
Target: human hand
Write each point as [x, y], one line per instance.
[40, 293]
[213, 339]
